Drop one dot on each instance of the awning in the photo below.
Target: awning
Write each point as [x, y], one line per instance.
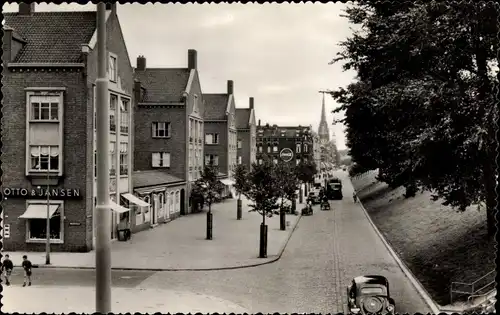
[117, 208]
[39, 211]
[134, 199]
[227, 182]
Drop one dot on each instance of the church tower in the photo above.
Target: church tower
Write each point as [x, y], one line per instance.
[323, 132]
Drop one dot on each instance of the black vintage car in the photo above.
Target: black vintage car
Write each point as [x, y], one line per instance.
[334, 189]
[369, 295]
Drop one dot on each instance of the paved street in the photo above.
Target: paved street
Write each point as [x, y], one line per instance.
[324, 253]
[181, 244]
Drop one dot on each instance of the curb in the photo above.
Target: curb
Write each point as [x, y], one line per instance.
[418, 286]
[267, 261]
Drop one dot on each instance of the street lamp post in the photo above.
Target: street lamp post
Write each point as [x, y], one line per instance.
[47, 243]
[103, 218]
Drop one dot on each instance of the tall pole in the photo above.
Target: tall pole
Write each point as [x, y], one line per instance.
[47, 227]
[103, 218]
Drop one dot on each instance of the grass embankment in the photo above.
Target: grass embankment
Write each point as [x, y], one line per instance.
[439, 244]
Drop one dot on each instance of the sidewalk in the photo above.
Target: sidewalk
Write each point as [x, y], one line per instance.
[80, 300]
[181, 244]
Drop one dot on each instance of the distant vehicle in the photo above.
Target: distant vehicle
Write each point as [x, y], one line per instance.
[369, 295]
[334, 189]
[314, 196]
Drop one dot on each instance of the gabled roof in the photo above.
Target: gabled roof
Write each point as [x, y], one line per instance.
[152, 178]
[243, 118]
[163, 85]
[286, 131]
[52, 37]
[215, 106]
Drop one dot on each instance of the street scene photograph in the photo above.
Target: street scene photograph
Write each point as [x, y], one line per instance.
[249, 158]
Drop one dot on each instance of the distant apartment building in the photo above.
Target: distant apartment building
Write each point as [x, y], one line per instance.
[220, 132]
[169, 131]
[246, 135]
[291, 144]
[48, 128]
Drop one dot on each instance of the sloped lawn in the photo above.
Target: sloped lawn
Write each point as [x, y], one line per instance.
[437, 243]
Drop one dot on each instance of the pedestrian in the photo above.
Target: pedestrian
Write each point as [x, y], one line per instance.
[7, 266]
[27, 270]
[354, 196]
[124, 226]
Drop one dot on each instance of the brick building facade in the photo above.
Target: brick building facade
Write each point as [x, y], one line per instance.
[49, 144]
[291, 144]
[220, 143]
[247, 135]
[168, 130]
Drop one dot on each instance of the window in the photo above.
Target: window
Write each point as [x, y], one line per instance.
[200, 131]
[297, 148]
[160, 129]
[160, 159]
[239, 159]
[112, 68]
[211, 138]
[239, 144]
[191, 130]
[112, 157]
[297, 162]
[195, 103]
[36, 228]
[275, 160]
[124, 115]
[305, 148]
[259, 161]
[113, 102]
[44, 108]
[177, 201]
[260, 149]
[268, 149]
[211, 159]
[275, 149]
[44, 158]
[95, 163]
[123, 158]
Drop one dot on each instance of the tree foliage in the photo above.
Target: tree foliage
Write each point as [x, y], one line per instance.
[286, 181]
[241, 176]
[263, 189]
[422, 108]
[209, 185]
[306, 170]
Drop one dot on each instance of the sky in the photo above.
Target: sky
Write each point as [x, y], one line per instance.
[276, 53]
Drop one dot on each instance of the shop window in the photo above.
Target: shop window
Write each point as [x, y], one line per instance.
[36, 228]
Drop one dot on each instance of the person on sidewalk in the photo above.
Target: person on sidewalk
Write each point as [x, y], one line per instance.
[124, 225]
[7, 266]
[27, 270]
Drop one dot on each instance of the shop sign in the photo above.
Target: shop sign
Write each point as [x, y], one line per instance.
[286, 154]
[54, 193]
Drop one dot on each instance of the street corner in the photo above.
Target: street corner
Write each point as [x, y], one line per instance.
[124, 300]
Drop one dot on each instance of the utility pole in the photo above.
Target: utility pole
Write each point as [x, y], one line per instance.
[102, 213]
[47, 227]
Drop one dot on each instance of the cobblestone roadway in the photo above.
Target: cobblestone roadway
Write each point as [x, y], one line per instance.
[324, 253]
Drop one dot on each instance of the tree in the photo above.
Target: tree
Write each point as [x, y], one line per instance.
[263, 191]
[209, 185]
[306, 170]
[286, 181]
[241, 186]
[422, 108]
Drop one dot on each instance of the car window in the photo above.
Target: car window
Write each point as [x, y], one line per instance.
[372, 290]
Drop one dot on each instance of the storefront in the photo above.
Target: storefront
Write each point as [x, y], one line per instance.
[165, 194]
[25, 222]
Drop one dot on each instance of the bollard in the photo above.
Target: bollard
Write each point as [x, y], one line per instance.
[209, 225]
[238, 210]
[282, 220]
[294, 205]
[263, 241]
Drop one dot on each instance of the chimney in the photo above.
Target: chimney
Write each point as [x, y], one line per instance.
[259, 122]
[26, 8]
[111, 6]
[7, 45]
[230, 87]
[141, 63]
[192, 59]
[251, 102]
[137, 91]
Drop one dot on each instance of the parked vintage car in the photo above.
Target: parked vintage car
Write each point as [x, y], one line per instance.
[334, 189]
[369, 295]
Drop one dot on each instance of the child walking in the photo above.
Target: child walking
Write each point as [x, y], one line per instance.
[7, 266]
[27, 270]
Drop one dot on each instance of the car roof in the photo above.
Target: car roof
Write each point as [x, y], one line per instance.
[371, 279]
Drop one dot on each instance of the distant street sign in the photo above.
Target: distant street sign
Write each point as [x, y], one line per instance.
[286, 154]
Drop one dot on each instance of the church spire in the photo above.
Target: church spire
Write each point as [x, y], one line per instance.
[323, 131]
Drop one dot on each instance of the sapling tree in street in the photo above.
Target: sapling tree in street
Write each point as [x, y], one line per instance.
[240, 185]
[209, 186]
[264, 193]
[286, 181]
[305, 171]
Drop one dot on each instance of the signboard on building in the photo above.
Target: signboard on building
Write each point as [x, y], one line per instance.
[53, 193]
[286, 154]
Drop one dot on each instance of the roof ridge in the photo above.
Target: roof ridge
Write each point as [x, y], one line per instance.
[47, 12]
